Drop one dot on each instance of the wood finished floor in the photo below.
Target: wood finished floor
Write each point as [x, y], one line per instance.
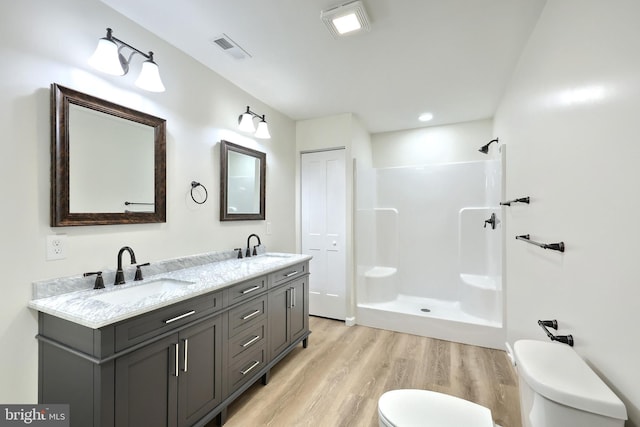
[338, 378]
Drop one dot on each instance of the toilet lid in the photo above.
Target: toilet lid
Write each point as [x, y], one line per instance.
[406, 408]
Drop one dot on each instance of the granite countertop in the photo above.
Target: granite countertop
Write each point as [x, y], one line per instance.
[86, 308]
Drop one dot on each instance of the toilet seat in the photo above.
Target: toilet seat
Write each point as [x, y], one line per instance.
[424, 408]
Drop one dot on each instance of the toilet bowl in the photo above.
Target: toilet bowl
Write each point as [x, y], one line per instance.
[557, 389]
[424, 408]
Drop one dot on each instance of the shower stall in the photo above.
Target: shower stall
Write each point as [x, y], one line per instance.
[429, 251]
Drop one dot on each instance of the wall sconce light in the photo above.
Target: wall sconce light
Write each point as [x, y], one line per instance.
[108, 59]
[245, 124]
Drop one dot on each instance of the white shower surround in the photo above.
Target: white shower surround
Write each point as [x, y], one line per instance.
[426, 263]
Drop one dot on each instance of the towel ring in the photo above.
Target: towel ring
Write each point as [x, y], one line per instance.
[195, 184]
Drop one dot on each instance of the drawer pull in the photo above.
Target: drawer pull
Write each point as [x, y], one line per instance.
[291, 273]
[250, 315]
[186, 353]
[182, 316]
[246, 291]
[251, 341]
[250, 368]
[177, 348]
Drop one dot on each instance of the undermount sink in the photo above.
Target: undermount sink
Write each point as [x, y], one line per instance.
[131, 295]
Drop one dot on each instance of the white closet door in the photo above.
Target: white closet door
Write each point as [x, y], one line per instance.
[323, 231]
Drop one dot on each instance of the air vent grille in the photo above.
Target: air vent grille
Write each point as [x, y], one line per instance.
[229, 46]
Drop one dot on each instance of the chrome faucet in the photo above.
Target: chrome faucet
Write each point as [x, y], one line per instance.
[248, 254]
[119, 273]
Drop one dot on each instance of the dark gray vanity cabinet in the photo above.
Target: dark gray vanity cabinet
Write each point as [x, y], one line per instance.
[177, 366]
[288, 315]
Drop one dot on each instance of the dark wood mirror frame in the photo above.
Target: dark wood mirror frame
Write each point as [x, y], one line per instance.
[61, 97]
[225, 215]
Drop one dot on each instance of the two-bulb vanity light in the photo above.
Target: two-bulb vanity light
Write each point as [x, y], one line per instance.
[245, 124]
[108, 59]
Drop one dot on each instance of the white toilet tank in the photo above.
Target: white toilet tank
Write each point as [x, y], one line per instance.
[558, 389]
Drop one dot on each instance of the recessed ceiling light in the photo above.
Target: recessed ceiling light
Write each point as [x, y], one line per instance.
[425, 117]
[346, 19]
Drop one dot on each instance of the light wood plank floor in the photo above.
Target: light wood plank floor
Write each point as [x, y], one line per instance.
[338, 378]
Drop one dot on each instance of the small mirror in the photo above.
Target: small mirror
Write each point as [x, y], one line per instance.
[107, 162]
[242, 183]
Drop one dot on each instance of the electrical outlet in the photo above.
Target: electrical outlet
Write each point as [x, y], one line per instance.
[56, 247]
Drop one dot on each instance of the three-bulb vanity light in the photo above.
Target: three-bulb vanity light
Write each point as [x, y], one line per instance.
[245, 124]
[109, 59]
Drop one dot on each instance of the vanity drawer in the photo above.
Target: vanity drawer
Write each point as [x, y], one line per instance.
[247, 341]
[245, 290]
[249, 313]
[151, 324]
[287, 274]
[246, 368]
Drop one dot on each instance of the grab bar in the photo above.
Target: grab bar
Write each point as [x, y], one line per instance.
[518, 200]
[553, 246]
[565, 339]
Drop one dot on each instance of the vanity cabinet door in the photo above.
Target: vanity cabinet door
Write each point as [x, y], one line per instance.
[288, 315]
[172, 382]
[146, 385]
[200, 368]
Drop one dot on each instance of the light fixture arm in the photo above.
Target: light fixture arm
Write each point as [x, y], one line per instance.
[122, 44]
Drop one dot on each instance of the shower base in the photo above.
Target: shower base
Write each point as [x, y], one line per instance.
[431, 318]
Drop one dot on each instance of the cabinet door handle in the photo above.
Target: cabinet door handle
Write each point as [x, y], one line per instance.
[293, 298]
[246, 291]
[250, 315]
[291, 273]
[182, 316]
[186, 353]
[251, 341]
[290, 290]
[177, 349]
[250, 368]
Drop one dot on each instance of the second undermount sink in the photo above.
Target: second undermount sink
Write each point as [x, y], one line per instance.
[132, 294]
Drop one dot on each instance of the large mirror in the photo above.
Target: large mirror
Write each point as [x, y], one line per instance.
[242, 183]
[108, 162]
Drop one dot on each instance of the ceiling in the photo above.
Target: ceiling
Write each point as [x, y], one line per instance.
[452, 58]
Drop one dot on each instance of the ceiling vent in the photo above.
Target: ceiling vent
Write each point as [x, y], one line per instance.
[230, 47]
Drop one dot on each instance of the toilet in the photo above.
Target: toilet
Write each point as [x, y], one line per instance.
[557, 389]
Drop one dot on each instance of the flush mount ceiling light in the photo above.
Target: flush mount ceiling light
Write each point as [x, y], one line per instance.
[346, 19]
[425, 117]
[109, 59]
[245, 124]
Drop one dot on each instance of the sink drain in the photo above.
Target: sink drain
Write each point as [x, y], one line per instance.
[425, 310]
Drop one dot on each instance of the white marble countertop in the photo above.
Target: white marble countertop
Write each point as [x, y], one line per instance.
[86, 308]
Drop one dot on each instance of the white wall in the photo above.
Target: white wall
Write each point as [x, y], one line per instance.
[570, 121]
[437, 144]
[43, 42]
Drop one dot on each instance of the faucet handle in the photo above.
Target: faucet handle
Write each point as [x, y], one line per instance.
[239, 252]
[99, 283]
[255, 252]
[138, 275]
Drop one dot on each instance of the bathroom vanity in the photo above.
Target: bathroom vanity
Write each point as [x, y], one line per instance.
[177, 356]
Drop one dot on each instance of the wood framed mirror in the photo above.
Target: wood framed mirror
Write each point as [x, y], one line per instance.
[108, 162]
[242, 183]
